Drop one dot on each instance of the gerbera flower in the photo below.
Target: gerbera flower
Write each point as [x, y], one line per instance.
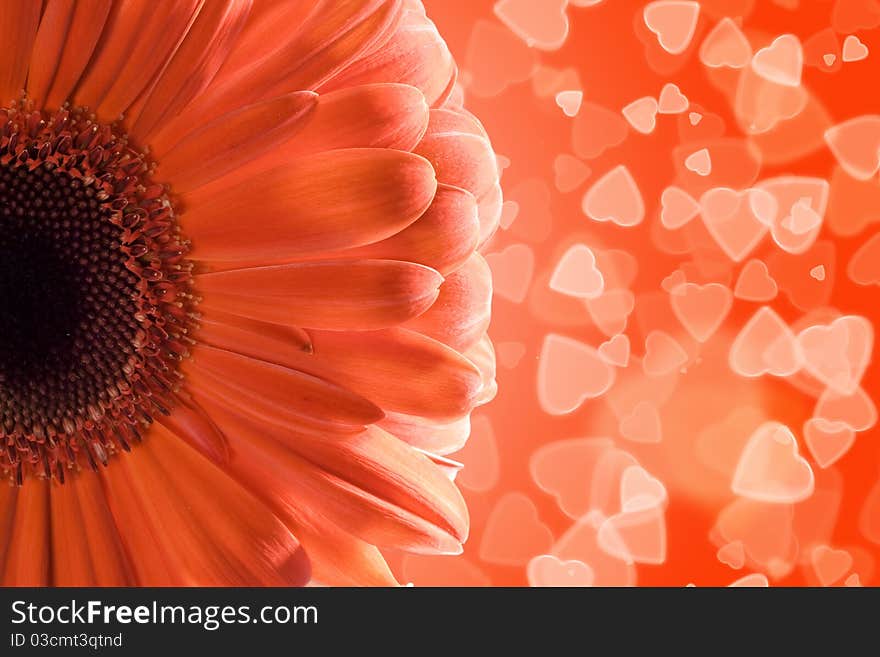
[244, 308]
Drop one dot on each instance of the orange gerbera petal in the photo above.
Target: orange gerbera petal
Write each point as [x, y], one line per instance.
[482, 355]
[153, 35]
[333, 34]
[268, 313]
[384, 115]
[442, 238]
[429, 435]
[190, 423]
[194, 65]
[415, 55]
[333, 200]
[71, 558]
[75, 48]
[28, 554]
[114, 45]
[251, 337]
[314, 496]
[110, 563]
[8, 498]
[382, 465]
[221, 536]
[261, 37]
[337, 557]
[460, 316]
[440, 383]
[48, 46]
[233, 140]
[279, 393]
[459, 152]
[18, 29]
[335, 294]
[380, 115]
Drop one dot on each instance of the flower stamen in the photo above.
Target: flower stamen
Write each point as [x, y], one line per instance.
[95, 293]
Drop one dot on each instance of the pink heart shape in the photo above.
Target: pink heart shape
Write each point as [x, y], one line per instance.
[569, 172]
[755, 283]
[765, 530]
[726, 45]
[616, 350]
[800, 204]
[856, 410]
[765, 345]
[615, 197]
[643, 425]
[732, 554]
[663, 354]
[479, 456]
[611, 311]
[782, 62]
[595, 129]
[576, 274]
[700, 162]
[637, 536]
[569, 373]
[827, 441]
[671, 100]
[512, 271]
[569, 101]
[755, 580]
[864, 266]
[770, 468]
[548, 570]
[640, 490]
[580, 542]
[642, 114]
[853, 49]
[830, 565]
[541, 24]
[838, 354]
[514, 533]
[677, 207]
[856, 145]
[702, 308]
[674, 22]
[559, 468]
[733, 221]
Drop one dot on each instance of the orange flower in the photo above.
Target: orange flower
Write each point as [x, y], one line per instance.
[244, 306]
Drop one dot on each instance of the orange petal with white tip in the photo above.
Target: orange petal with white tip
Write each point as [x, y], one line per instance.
[443, 238]
[333, 200]
[333, 294]
[460, 315]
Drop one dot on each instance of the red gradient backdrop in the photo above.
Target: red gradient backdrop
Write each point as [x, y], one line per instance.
[706, 411]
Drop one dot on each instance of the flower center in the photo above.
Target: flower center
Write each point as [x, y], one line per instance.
[94, 294]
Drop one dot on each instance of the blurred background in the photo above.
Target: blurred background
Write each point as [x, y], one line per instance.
[608, 460]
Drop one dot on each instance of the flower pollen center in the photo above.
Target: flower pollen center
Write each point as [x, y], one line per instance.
[94, 293]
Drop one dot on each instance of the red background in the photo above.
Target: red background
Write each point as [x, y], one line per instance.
[617, 60]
